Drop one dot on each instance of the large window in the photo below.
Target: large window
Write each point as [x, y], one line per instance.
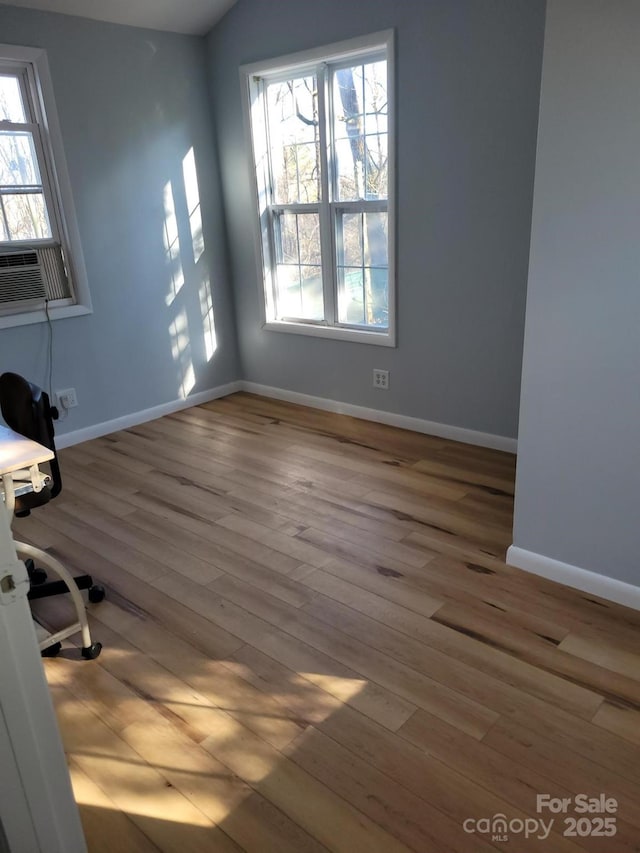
[322, 155]
[40, 257]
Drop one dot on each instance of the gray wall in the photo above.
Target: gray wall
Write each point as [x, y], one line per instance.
[131, 104]
[579, 451]
[468, 77]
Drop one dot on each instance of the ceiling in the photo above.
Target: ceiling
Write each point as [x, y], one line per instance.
[193, 17]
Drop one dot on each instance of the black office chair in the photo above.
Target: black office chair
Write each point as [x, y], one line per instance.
[27, 411]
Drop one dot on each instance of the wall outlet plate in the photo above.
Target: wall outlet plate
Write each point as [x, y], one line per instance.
[380, 378]
[66, 399]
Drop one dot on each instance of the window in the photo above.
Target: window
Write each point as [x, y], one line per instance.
[41, 261]
[322, 155]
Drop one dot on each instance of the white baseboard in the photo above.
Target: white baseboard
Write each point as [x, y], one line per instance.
[67, 439]
[468, 436]
[582, 579]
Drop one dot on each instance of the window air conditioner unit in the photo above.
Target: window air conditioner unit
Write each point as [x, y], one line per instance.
[31, 276]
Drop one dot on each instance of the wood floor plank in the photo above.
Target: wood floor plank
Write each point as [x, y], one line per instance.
[161, 812]
[460, 647]
[540, 650]
[573, 758]
[160, 730]
[477, 684]
[103, 822]
[309, 511]
[315, 807]
[150, 604]
[516, 784]
[94, 497]
[338, 548]
[322, 669]
[606, 655]
[162, 552]
[466, 477]
[111, 549]
[380, 668]
[409, 767]
[210, 678]
[289, 545]
[392, 806]
[619, 719]
[388, 583]
[312, 642]
[562, 731]
[407, 479]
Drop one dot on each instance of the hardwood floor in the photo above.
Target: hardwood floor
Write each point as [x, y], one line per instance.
[312, 642]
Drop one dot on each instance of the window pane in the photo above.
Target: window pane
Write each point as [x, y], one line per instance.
[377, 162]
[350, 242]
[350, 168]
[352, 303]
[26, 216]
[376, 239]
[299, 277]
[299, 238]
[11, 105]
[299, 292]
[292, 119]
[18, 162]
[375, 97]
[289, 238]
[363, 276]
[360, 131]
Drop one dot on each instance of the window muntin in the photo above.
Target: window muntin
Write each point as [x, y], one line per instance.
[321, 154]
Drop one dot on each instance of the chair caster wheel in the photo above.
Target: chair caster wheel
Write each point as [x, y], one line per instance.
[96, 593]
[51, 651]
[37, 576]
[91, 652]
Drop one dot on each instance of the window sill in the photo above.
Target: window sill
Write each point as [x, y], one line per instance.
[28, 318]
[380, 339]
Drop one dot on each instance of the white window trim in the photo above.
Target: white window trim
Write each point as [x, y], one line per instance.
[351, 49]
[61, 186]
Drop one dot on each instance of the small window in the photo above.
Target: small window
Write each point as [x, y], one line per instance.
[41, 263]
[321, 127]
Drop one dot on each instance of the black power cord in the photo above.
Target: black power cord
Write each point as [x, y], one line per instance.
[55, 414]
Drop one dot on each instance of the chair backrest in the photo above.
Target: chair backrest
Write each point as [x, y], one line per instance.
[26, 410]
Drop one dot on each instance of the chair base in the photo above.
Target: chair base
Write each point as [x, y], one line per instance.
[41, 588]
[44, 590]
[66, 584]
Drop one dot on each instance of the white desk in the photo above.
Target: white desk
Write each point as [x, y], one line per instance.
[19, 466]
[37, 809]
[18, 452]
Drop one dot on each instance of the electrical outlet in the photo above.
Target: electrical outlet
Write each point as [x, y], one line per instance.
[380, 379]
[67, 399]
